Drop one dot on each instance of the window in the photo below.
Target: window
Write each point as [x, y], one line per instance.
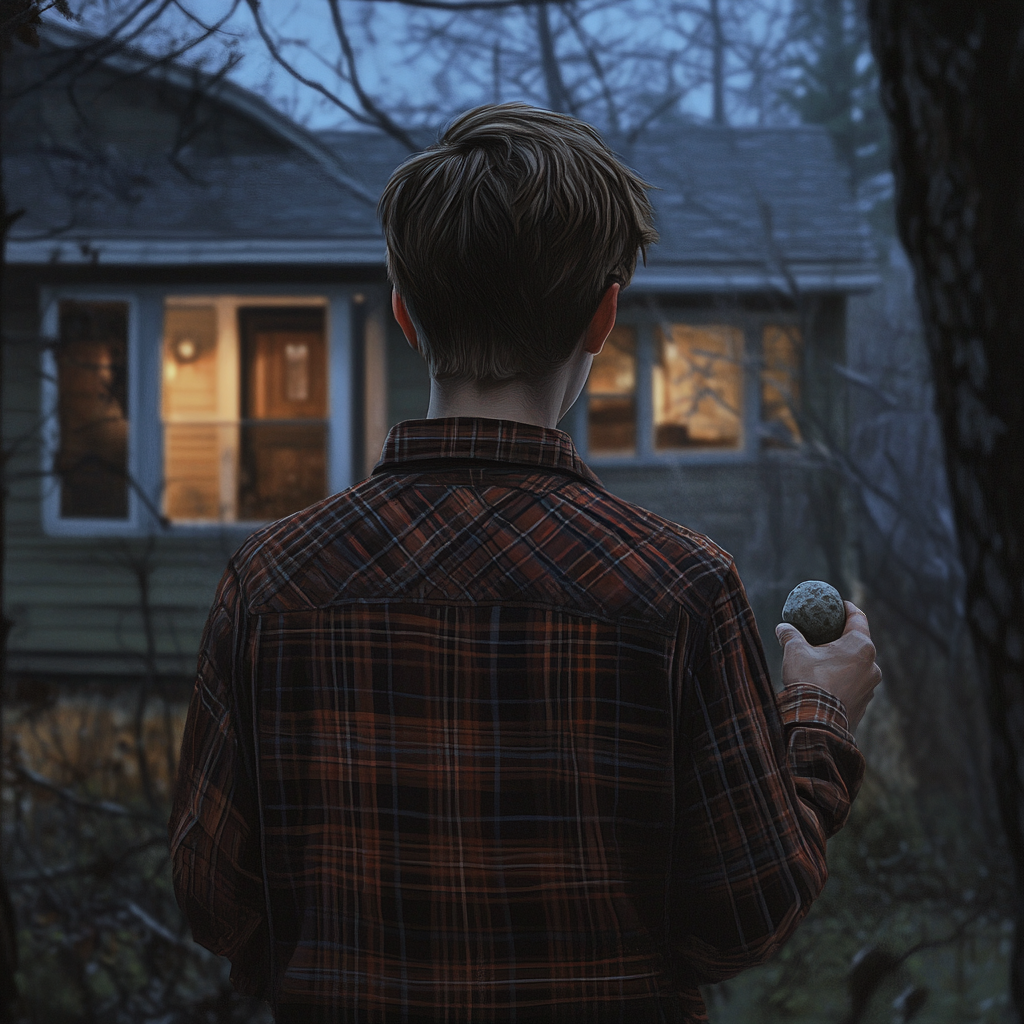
[244, 409]
[91, 460]
[780, 385]
[670, 388]
[698, 387]
[612, 395]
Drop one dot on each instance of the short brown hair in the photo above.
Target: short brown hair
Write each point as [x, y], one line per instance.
[503, 237]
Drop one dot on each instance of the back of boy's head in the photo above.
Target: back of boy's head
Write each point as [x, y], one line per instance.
[503, 237]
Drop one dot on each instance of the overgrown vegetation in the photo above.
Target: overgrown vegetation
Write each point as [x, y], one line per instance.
[913, 925]
[100, 935]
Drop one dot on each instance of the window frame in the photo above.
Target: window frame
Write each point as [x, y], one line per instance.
[145, 382]
[644, 320]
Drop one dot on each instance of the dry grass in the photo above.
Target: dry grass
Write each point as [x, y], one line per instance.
[86, 799]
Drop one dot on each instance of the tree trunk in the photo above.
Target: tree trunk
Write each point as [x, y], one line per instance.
[953, 88]
[558, 95]
[8, 924]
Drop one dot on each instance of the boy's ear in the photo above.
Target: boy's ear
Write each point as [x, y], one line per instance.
[602, 322]
[404, 320]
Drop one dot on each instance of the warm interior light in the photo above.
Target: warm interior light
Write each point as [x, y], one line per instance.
[185, 350]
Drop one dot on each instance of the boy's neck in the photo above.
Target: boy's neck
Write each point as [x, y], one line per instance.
[542, 405]
[511, 402]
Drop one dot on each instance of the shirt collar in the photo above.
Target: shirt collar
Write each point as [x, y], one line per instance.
[466, 437]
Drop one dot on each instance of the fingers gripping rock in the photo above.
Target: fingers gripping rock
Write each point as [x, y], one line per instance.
[817, 610]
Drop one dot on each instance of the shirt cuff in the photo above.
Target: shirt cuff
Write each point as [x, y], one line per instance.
[804, 704]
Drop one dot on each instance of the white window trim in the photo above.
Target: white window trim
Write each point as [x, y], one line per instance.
[145, 377]
[644, 322]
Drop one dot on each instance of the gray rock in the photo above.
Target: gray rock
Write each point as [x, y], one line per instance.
[817, 610]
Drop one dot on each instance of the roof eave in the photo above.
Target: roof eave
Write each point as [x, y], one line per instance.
[799, 278]
[164, 252]
[368, 251]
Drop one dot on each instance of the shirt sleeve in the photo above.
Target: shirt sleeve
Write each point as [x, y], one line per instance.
[762, 782]
[215, 855]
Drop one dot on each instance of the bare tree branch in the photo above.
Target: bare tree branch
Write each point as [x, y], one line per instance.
[375, 112]
[475, 5]
[361, 116]
[558, 95]
[598, 68]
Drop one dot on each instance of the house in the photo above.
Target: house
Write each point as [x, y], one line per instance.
[198, 339]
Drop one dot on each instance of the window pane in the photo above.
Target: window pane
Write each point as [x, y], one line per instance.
[698, 387]
[611, 390]
[780, 386]
[190, 362]
[283, 468]
[192, 442]
[92, 387]
[283, 451]
[192, 470]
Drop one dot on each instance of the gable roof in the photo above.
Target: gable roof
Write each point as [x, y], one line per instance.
[737, 209]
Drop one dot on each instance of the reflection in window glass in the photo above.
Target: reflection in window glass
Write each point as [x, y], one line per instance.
[611, 391]
[780, 386]
[698, 386]
[92, 388]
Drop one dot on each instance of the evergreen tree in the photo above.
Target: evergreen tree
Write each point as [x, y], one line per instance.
[834, 83]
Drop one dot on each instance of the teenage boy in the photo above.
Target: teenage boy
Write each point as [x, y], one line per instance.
[475, 740]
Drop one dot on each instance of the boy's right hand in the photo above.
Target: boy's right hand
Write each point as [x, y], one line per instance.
[846, 668]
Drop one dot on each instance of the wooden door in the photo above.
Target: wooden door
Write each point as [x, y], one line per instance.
[284, 411]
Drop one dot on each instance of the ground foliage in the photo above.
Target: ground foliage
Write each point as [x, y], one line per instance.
[915, 909]
[912, 925]
[101, 938]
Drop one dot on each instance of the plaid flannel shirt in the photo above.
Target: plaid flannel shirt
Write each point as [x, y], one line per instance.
[475, 740]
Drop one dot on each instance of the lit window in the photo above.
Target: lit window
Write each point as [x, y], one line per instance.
[698, 387]
[780, 386]
[92, 387]
[671, 388]
[195, 442]
[611, 391]
[245, 410]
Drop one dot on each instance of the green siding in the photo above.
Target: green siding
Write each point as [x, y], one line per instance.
[74, 603]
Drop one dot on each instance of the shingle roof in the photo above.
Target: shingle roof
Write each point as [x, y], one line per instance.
[740, 203]
[737, 208]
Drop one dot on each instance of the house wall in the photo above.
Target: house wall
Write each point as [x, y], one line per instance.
[133, 601]
[76, 604]
[408, 381]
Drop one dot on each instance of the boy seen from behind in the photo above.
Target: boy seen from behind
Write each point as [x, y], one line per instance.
[475, 740]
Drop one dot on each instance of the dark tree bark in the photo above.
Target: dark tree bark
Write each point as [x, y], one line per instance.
[953, 88]
[18, 19]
